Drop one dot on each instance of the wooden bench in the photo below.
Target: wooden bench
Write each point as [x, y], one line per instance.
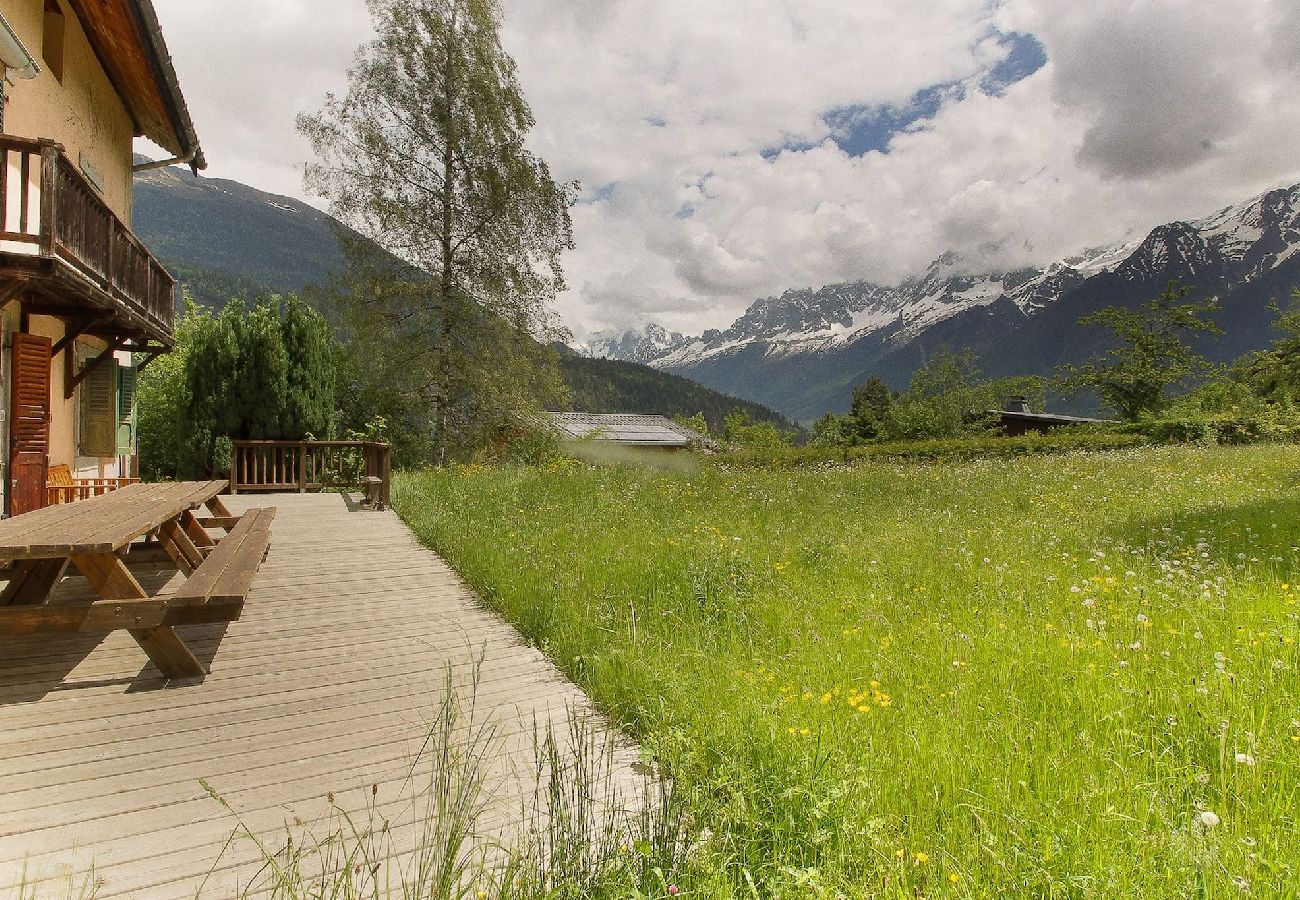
[373, 487]
[224, 576]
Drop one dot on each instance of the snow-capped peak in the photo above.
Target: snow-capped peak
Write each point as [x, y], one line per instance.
[635, 344]
[1241, 241]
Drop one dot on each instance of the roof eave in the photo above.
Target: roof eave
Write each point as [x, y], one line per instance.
[190, 149]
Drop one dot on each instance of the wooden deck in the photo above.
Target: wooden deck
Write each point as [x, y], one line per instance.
[325, 689]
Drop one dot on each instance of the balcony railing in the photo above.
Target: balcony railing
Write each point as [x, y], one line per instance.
[48, 209]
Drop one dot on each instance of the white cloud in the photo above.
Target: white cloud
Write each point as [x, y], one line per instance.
[1146, 112]
[248, 67]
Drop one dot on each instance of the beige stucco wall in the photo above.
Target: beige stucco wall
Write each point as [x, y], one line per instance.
[84, 113]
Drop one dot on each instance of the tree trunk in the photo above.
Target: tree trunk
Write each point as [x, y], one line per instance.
[446, 282]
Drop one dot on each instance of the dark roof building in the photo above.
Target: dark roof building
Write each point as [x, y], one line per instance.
[1018, 419]
[627, 429]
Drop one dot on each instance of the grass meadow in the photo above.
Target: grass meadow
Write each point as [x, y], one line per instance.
[1068, 676]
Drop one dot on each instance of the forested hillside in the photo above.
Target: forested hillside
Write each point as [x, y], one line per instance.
[610, 386]
[224, 240]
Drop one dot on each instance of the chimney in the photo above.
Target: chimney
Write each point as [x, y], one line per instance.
[1017, 404]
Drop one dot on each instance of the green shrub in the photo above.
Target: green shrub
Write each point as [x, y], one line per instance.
[1272, 423]
[1065, 440]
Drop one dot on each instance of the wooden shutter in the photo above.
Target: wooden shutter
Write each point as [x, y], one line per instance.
[126, 410]
[29, 428]
[99, 411]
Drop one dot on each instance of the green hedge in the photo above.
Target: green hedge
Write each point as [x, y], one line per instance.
[1064, 440]
[1266, 426]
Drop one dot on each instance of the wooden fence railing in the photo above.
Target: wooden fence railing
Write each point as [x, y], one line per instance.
[310, 466]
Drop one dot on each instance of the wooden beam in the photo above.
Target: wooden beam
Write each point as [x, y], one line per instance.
[112, 615]
[152, 353]
[181, 548]
[10, 289]
[226, 522]
[168, 652]
[109, 576]
[195, 530]
[115, 583]
[32, 581]
[218, 508]
[75, 331]
[70, 383]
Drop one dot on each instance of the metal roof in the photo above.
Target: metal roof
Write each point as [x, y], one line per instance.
[626, 428]
[1048, 418]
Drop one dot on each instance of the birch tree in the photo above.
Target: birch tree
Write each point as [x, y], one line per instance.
[425, 155]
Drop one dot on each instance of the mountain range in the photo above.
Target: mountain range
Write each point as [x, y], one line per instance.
[801, 352]
[224, 239]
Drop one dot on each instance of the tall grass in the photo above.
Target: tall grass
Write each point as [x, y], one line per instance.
[579, 833]
[1064, 676]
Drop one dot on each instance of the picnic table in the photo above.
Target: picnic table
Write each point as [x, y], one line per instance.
[99, 536]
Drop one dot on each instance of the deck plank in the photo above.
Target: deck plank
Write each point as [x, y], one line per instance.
[325, 686]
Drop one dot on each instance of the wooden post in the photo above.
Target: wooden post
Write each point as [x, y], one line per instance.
[49, 208]
[110, 244]
[386, 470]
[302, 467]
[234, 467]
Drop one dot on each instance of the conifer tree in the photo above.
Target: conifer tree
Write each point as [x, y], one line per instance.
[261, 375]
[265, 374]
[309, 381]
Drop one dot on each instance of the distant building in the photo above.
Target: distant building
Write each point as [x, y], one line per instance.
[628, 430]
[1017, 418]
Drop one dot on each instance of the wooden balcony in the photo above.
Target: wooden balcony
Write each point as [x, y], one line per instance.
[69, 254]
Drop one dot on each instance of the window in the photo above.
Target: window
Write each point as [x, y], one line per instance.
[99, 413]
[125, 410]
[52, 43]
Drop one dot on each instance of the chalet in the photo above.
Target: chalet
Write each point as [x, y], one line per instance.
[650, 432]
[85, 305]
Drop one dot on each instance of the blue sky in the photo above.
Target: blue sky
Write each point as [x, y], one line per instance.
[863, 127]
